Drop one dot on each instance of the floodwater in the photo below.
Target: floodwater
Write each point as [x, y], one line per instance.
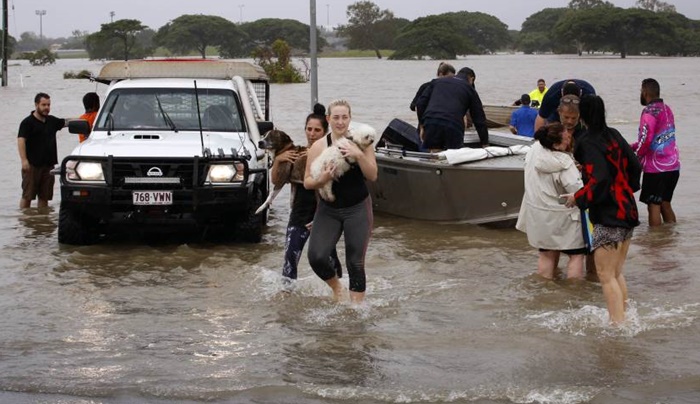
[453, 312]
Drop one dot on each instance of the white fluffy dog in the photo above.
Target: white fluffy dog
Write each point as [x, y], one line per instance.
[362, 135]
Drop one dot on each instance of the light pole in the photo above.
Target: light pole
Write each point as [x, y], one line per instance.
[328, 15]
[111, 16]
[313, 53]
[41, 14]
[240, 10]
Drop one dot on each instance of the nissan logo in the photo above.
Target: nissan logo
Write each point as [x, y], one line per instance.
[154, 172]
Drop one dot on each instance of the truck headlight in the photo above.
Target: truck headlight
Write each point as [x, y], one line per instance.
[84, 171]
[223, 173]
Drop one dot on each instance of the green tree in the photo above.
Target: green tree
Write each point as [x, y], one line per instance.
[656, 6]
[585, 4]
[42, 57]
[119, 39]
[29, 41]
[623, 31]
[487, 32]
[76, 40]
[687, 35]
[11, 44]
[537, 33]
[277, 63]
[433, 36]
[191, 32]
[266, 31]
[364, 28]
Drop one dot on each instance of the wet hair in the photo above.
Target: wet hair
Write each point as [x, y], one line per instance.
[593, 114]
[569, 103]
[339, 103]
[91, 102]
[445, 68]
[466, 72]
[651, 87]
[550, 135]
[39, 96]
[570, 87]
[525, 99]
[320, 114]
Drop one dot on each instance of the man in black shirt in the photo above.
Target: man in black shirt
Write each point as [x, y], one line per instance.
[443, 105]
[36, 142]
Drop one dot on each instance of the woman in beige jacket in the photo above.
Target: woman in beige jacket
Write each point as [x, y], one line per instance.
[551, 227]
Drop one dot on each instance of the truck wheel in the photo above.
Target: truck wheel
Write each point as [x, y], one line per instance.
[250, 229]
[76, 229]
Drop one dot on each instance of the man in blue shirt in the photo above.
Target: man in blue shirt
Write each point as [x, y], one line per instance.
[550, 102]
[522, 120]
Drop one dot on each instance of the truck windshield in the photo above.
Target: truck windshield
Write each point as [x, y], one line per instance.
[169, 108]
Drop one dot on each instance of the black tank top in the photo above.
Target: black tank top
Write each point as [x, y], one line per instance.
[350, 189]
[303, 206]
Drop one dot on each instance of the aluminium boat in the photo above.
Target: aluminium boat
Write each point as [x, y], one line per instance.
[469, 185]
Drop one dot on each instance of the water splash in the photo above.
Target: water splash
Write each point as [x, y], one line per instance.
[593, 320]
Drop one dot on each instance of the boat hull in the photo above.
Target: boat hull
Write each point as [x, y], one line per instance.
[488, 191]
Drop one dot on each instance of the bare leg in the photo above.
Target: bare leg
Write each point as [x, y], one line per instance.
[25, 203]
[42, 203]
[591, 274]
[606, 260]
[574, 268]
[667, 212]
[620, 277]
[546, 263]
[357, 297]
[654, 214]
[337, 287]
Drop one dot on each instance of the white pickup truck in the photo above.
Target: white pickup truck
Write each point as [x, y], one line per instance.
[175, 143]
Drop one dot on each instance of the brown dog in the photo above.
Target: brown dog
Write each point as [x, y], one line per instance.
[279, 142]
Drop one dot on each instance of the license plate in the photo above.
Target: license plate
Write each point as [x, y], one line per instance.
[152, 197]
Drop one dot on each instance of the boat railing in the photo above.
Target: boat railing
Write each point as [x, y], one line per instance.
[397, 150]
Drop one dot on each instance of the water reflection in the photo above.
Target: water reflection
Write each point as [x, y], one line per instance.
[38, 222]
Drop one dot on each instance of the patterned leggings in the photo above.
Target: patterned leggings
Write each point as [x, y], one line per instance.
[294, 244]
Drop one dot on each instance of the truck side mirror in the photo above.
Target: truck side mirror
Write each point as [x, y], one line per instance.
[79, 126]
[265, 126]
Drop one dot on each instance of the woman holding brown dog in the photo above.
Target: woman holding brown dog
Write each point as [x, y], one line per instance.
[303, 201]
[351, 211]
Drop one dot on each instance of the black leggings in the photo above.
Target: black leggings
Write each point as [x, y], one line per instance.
[296, 239]
[355, 223]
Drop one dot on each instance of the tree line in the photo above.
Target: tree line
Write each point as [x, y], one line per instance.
[653, 27]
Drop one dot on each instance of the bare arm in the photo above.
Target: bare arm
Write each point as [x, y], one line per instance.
[280, 173]
[22, 148]
[327, 175]
[539, 122]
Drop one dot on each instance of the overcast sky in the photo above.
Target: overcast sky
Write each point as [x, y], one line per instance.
[64, 16]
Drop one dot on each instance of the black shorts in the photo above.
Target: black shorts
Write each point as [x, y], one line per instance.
[442, 137]
[573, 251]
[658, 187]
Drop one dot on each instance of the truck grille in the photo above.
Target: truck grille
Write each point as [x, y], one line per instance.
[171, 174]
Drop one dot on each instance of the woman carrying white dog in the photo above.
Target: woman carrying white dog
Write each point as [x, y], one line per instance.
[303, 201]
[350, 213]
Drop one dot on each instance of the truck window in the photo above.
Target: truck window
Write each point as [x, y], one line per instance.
[142, 109]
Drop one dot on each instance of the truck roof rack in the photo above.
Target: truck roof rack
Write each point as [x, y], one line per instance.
[180, 68]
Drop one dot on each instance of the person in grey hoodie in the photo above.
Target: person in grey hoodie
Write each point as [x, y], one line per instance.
[551, 227]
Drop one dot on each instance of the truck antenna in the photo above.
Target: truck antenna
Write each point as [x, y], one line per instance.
[199, 118]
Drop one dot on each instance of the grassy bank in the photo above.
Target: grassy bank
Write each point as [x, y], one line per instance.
[354, 53]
